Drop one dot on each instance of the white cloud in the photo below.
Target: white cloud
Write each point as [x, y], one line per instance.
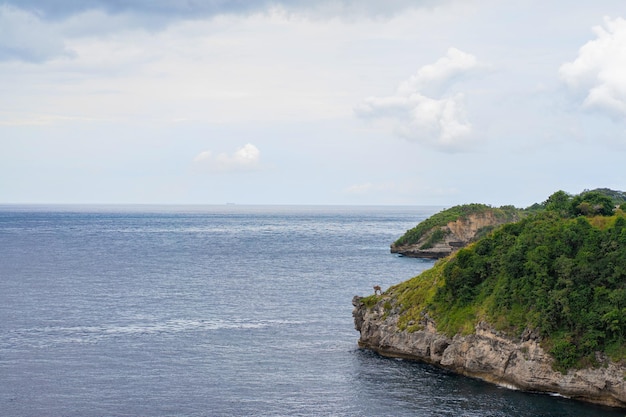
[435, 78]
[246, 158]
[424, 109]
[24, 36]
[203, 157]
[13, 119]
[598, 71]
[403, 191]
[377, 188]
[360, 188]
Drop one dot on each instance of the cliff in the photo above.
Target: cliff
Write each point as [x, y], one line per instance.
[450, 230]
[536, 304]
[518, 363]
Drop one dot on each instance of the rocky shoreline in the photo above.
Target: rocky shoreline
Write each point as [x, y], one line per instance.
[488, 355]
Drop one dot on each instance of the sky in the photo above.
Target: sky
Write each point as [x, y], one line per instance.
[343, 102]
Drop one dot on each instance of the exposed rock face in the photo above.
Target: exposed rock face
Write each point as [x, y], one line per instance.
[457, 234]
[488, 355]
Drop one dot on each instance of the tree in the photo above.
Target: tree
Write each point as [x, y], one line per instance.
[592, 202]
[559, 202]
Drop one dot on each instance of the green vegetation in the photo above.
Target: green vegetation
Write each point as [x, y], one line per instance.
[416, 294]
[436, 236]
[618, 197]
[371, 300]
[560, 271]
[444, 217]
[599, 201]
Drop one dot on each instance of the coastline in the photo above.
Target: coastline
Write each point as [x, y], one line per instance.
[487, 355]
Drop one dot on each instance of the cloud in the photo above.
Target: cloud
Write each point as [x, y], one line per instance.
[402, 191]
[435, 78]
[246, 158]
[175, 9]
[361, 188]
[34, 119]
[37, 30]
[598, 71]
[378, 188]
[424, 108]
[25, 37]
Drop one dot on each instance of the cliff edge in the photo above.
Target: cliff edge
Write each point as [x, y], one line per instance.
[486, 354]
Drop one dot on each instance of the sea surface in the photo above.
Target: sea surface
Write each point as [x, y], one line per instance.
[216, 311]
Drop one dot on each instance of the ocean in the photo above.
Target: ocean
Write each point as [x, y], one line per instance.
[216, 311]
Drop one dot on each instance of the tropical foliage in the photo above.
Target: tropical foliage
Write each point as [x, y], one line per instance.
[560, 272]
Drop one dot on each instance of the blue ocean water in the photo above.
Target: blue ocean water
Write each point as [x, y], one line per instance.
[215, 311]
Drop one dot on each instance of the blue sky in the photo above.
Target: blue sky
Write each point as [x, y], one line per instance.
[310, 102]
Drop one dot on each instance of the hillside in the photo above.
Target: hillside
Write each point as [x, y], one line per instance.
[451, 229]
[552, 283]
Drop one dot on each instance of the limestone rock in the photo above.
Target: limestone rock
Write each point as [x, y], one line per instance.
[488, 355]
[457, 234]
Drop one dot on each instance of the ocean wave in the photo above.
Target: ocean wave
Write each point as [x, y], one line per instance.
[51, 335]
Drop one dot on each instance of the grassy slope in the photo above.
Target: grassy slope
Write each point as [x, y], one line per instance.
[565, 278]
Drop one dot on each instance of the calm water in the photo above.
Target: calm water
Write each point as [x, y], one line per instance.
[215, 311]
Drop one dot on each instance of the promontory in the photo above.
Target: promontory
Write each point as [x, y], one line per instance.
[536, 300]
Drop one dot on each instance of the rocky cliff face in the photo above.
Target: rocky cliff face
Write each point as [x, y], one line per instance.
[488, 355]
[456, 234]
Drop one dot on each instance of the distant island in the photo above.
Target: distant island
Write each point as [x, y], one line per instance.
[532, 299]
